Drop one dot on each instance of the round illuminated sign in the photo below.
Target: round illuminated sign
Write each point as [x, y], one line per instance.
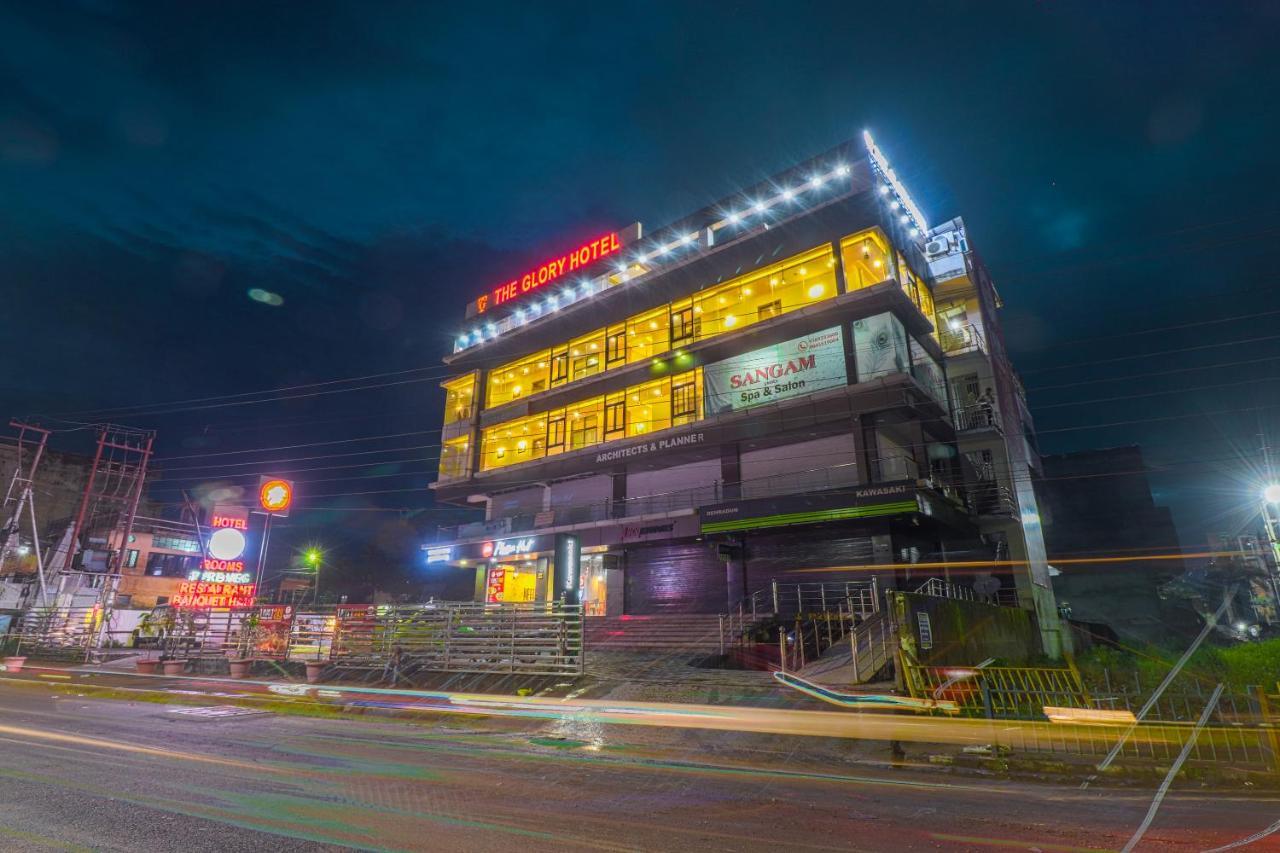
[226, 543]
[275, 495]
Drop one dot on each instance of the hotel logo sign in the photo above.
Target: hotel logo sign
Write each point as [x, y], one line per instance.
[552, 270]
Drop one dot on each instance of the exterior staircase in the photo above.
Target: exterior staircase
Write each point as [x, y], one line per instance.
[675, 633]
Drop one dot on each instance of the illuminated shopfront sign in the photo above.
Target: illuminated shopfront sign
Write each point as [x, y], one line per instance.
[202, 595]
[440, 554]
[552, 270]
[789, 369]
[508, 547]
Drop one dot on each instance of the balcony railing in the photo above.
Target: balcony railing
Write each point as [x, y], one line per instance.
[961, 339]
[991, 498]
[977, 416]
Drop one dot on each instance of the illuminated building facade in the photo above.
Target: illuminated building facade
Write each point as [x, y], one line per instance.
[755, 392]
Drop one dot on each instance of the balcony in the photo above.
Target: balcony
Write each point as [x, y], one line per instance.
[962, 339]
[992, 499]
[977, 416]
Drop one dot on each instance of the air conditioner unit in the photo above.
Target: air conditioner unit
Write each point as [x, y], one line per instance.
[937, 247]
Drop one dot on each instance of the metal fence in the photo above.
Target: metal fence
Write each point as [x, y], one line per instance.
[525, 638]
[1060, 716]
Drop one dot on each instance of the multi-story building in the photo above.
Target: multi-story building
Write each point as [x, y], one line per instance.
[755, 392]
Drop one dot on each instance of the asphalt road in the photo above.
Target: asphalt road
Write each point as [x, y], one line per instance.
[90, 774]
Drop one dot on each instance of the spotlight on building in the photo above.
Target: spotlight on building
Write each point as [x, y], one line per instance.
[1271, 494]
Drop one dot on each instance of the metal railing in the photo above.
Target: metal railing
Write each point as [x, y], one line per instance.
[518, 637]
[958, 340]
[991, 498]
[872, 645]
[939, 588]
[810, 602]
[975, 416]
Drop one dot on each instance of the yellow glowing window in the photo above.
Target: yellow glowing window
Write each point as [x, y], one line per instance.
[866, 259]
[455, 458]
[518, 379]
[459, 398]
[765, 293]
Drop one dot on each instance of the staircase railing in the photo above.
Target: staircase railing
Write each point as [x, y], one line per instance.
[813, 635]
[859, 599]
[871, 646]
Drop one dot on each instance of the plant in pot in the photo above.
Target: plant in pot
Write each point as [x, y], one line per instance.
[176, 630]
[246, 645]
[148, 636]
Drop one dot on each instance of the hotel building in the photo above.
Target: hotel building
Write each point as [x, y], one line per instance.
[791, 384]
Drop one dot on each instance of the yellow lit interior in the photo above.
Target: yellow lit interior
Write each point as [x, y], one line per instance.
[454, 458]
[759, 295]
[637, 410]
[459, 398]
[866, 259]
[529, 375]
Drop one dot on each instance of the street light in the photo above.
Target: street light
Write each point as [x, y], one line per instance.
[312, 559]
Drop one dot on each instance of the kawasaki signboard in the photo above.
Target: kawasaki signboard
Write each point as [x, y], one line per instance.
[789, 369]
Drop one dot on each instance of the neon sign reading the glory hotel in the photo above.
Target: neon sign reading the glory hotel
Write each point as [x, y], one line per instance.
[579, 258]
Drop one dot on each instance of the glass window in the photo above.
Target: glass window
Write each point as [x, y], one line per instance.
[685, 393]
[615, 417]
[584, 425]
[684, 323]
[866, 259]
[586, 356]
[556, 433]
[649, 406]
[455, 458]
[766, 293]
[615, 347]
[131, 558]
[519, 379]
[928, 372]
[460, 400]
[176, 543]
[880, 347]
[559, 366]
[649, 335]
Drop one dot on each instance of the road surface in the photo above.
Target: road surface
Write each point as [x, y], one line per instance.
[98, 774]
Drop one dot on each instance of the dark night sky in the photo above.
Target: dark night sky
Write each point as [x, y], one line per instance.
[375, 165]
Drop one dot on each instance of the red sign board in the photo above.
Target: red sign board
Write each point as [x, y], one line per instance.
[235, 517]
[496, 586]
[552, 270]
[201, 595]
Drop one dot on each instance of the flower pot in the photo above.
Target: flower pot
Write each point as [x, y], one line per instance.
[240, 668]
[146, 667]
[174, 667]
[315, 668]
[14, 663]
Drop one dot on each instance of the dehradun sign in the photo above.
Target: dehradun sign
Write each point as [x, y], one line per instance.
[782, 371]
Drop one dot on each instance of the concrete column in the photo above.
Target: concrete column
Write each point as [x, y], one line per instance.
[730, 472]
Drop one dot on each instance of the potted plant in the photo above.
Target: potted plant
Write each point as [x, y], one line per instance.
[175, 630]
[148, 635]
[246, 645]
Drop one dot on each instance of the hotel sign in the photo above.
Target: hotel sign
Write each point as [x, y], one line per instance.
[551, 270]
[789, 369]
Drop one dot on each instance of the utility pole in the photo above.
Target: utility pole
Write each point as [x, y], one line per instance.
[20, 497]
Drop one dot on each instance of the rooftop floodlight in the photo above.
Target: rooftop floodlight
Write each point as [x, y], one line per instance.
[788, 194]
[733, 218]
[842, 169]
[1271, 494]
[816, 181]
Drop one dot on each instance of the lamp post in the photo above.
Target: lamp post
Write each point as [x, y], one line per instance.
[1271, 520]
[312, 559]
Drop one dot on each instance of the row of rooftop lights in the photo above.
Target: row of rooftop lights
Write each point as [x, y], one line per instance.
[670, 249]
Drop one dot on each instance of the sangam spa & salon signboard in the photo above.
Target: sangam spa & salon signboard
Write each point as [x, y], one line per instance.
[789, 369]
